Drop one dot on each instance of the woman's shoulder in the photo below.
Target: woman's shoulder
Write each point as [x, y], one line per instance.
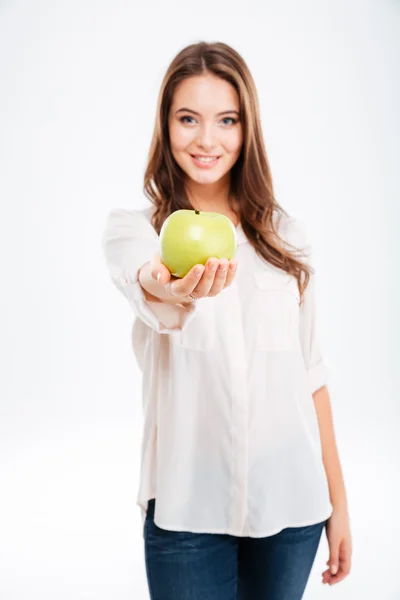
[129, 216]
[129, 222]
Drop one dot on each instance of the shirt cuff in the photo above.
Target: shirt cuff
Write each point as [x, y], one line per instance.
[160, 316]
[319, 375]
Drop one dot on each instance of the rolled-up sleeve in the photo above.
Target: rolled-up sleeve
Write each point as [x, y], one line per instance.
[319, 368]
[128, 242]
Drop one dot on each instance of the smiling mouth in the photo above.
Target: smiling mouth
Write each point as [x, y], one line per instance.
[205, 162]
[205, 159]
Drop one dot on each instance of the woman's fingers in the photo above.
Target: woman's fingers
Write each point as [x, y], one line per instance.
[214, 281]
[219, 280]
[186, 285]
[224, 276]
[205, 280]
[231, 272]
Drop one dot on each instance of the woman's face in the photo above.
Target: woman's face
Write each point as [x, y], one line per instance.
[204, 120]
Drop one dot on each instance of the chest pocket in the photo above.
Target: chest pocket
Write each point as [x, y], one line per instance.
[276, 302]
[199, 333]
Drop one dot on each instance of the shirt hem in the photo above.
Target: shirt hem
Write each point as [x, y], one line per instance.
[252, 534]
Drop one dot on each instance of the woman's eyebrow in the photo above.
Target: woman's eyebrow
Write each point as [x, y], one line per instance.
[225, 112]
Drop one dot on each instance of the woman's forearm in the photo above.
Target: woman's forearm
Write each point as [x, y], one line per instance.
[329, 449]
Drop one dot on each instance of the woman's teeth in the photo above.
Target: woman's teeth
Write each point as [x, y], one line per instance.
[206, 160]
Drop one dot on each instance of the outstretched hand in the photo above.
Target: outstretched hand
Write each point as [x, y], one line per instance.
[200, 281]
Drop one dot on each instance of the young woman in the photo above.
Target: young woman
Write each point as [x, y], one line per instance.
[240, 473]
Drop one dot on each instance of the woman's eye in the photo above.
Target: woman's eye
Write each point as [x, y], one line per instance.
[230, 119]
[233, 121]
[182, 119]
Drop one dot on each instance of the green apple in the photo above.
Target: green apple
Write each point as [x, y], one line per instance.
[191, 237]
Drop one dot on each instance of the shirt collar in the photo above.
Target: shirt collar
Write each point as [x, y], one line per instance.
[240, 235]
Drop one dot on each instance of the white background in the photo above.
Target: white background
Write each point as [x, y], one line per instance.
[79, 83]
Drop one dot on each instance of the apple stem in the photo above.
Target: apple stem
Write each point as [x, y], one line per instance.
[196, 211]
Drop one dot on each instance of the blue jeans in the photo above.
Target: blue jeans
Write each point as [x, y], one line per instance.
[207, 566]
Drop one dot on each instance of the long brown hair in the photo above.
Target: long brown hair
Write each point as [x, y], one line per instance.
[250, 181]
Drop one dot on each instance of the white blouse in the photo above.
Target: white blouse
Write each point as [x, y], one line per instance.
[231, 440]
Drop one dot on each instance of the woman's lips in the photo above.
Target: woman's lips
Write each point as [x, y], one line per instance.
[205, 165]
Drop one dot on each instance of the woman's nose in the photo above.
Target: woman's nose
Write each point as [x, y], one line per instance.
[205, 137]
